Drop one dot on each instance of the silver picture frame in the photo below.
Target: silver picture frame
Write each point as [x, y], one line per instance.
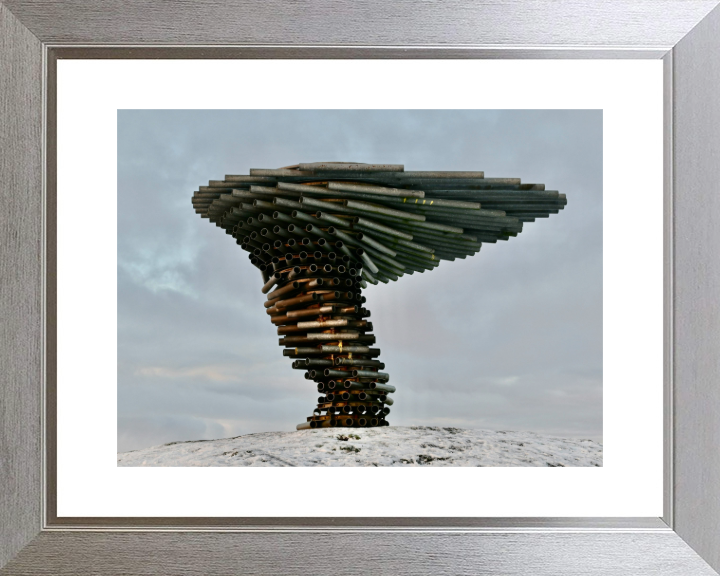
[685, 34]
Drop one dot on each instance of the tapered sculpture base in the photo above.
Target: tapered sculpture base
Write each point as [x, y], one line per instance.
[315, 298]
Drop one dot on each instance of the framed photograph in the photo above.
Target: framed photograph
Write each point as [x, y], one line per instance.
[469, 339]
[67, 515]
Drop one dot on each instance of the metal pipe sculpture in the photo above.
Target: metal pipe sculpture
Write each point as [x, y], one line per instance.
[320, 232]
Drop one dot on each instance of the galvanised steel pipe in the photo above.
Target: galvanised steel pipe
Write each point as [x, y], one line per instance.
[367, 260]
[375, 190]
[375, 209]
[371, 374]
[382, 387]
[349, 166]
[366, 224]
[325, 216]
[342, 361]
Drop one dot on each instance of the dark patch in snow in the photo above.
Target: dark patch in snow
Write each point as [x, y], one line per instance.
[183, 442]
[426, 458]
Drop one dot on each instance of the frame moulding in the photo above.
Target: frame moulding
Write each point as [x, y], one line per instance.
[686, 34]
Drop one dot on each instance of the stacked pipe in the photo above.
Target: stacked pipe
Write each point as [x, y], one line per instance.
[320, 232]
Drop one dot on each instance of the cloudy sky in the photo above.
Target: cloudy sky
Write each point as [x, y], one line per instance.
[510, 339]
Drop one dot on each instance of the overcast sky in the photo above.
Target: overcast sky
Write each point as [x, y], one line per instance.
[509, 339]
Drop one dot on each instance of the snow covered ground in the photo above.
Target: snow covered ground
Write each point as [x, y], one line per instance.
[390, 446]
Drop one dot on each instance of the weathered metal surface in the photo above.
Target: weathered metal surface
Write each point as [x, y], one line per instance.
[319, 232]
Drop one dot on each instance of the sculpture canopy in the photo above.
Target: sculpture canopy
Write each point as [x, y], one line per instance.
[390, 221]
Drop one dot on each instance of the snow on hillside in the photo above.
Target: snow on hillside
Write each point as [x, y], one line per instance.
[390, 446]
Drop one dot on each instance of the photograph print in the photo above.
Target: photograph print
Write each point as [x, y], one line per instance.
[360, 288]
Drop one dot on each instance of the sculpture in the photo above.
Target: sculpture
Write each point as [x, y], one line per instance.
[319, 232]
